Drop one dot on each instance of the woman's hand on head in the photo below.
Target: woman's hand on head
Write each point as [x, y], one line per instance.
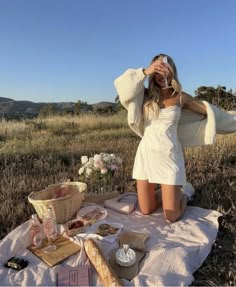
[156, 67]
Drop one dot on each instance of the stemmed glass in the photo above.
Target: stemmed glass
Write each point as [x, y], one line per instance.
[49, 230]
[165, 61]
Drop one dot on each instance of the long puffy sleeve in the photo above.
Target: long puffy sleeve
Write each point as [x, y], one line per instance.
[129, 85]
[196, 129]
[225, 121]
[130, 89]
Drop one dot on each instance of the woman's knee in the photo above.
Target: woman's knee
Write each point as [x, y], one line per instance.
[146, 210]
[172, 215]
[172, 202]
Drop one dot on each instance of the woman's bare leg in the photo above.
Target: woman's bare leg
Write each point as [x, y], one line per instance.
[174, 202]
[147, 197]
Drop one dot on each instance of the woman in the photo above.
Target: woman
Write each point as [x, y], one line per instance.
[154, 114]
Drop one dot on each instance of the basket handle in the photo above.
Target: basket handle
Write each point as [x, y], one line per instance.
[30, 196]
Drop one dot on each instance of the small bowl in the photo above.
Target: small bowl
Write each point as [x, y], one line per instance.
[127, 258]
[75, 226]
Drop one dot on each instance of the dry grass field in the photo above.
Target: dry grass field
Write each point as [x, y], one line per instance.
[39, 152]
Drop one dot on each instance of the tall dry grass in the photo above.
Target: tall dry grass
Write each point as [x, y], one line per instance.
[36, 153]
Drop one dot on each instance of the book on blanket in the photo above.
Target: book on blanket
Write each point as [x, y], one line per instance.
[65, 248]
[74, 276]
[125, 203]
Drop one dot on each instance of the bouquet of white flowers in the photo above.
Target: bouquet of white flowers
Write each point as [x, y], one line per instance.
[100, 165]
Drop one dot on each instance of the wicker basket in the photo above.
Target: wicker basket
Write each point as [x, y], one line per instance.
[64, 208]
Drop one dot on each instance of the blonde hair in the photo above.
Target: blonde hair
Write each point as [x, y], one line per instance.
[152, 94]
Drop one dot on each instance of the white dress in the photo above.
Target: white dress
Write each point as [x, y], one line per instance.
[159, 157]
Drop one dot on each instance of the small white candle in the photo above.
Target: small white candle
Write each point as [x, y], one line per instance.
[125, 256]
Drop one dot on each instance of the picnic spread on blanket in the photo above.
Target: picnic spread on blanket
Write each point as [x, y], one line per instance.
[104, 240]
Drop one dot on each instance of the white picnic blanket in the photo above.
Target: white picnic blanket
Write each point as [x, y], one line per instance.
[176, 250]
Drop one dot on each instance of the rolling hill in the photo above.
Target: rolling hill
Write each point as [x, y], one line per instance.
[10, 108]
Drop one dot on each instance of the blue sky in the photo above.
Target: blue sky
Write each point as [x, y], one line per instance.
[70, 50]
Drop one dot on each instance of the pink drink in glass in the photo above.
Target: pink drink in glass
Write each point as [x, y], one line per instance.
[49, 230]
[165, 61]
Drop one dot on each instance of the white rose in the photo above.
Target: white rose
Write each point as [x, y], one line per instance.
[112, 156]
[88, 172]
[104, 157]
[81, 170]
[97, 157]
[84, 159]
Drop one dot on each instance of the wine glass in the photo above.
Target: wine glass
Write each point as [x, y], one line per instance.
[165, 61]
[37, 240]
[49, 230]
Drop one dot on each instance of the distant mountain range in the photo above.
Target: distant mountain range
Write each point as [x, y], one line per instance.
[10, 108]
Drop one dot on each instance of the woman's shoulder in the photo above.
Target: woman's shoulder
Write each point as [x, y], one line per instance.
[186, 97]
[189, 102]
